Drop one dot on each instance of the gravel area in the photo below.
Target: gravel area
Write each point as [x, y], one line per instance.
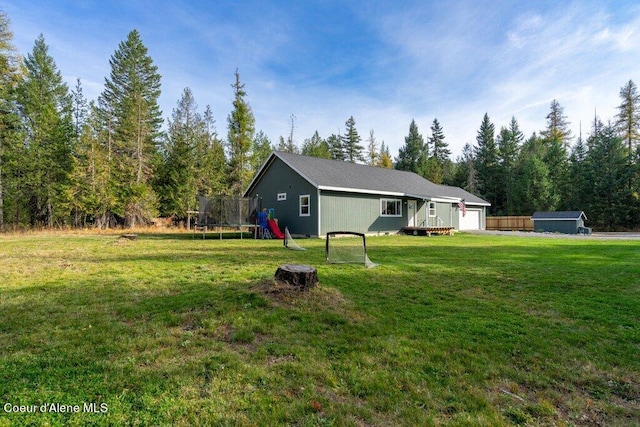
[596, 235]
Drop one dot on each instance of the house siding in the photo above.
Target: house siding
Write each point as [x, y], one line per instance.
[358, 212]
[280, 178]
[557, 226]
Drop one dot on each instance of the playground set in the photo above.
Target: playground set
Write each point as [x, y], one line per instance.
[223, 213]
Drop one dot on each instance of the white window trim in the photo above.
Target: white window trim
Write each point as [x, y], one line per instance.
[281, 197]
[432, 209]
[398, 203]
[308, 205]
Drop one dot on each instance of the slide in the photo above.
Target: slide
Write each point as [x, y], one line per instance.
[275, 230]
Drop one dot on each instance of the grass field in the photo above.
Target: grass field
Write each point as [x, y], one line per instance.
[464, 330]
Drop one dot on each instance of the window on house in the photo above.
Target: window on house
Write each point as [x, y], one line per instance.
[305, 202]
[282, 197]
[390, 207]
[432, 209]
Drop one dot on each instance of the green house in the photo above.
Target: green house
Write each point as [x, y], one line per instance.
[312, 196]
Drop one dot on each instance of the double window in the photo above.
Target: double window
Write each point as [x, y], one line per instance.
[391, 207]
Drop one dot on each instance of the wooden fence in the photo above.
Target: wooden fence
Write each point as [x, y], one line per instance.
[508, 223]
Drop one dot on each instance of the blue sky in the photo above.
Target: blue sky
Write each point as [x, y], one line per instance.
[382, 62]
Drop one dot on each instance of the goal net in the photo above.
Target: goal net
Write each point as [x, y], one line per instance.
[289, 243]
[347, 247]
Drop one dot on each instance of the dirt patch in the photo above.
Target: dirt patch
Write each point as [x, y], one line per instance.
[317, 299]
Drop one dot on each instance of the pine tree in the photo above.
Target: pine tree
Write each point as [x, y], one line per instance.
[241, 129]
[260, 151]
[130, 101]
[45, 107]
[465, 174]
[414, 152]
[211, 162]
[316, 147]
[80, 107]
[628, 117]
[351, 142]
[577, 177]
[486, 163]
[439, 148]
[509, 142]
[438, 166]
[336, 149]
[557, 125]
[608, 174]
[9, 123]
[178, 174]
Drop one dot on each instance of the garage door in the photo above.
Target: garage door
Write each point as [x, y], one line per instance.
[471, 221]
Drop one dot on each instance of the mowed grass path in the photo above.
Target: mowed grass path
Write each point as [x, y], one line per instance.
[464, 330]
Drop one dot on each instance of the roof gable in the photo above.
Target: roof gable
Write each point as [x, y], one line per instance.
[326, 174]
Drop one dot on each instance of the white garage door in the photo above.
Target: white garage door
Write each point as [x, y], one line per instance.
[471, 221]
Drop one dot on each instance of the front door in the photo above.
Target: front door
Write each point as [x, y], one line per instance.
[412, 210]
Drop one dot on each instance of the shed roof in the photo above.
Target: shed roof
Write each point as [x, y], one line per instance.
[337, 175]
[559, 216]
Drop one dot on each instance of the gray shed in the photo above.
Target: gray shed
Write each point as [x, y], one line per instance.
[567, 222]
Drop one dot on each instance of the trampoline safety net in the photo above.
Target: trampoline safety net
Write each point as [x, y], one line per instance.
[225, 211]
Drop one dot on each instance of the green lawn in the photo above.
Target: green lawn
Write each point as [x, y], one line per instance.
[464, 330]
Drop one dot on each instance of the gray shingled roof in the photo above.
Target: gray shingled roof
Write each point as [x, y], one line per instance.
[559, 215]
[345, 176]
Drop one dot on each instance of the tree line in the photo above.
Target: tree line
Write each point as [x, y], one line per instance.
[599, 175]
[114, 161]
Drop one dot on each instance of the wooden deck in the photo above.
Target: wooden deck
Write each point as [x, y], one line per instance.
[428, 231]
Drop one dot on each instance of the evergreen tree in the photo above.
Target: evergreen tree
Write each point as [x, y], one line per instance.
[134, 119]
[178, 175]
[9, 123]
[414, 152]
[351, 142]
[628, 117]
[211, 162]
[533, 188]
[80, 108]
[486, 163]
[557, 125]
[260, 151]
[45, 108]
[336, 149]
[465, 175]
[578, 177]
[438, 166]
[555, 158]
[509, 142]
[80, 111]
[439, 148]
[316, 147]
[608, 174]
[241, 129]
[93, 200]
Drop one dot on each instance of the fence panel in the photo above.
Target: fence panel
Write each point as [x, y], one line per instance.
[509, 223]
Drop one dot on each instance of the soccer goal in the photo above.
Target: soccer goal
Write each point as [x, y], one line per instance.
[289, 243]
[347, 247]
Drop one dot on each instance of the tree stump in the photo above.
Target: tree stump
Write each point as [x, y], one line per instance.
[300, 276]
